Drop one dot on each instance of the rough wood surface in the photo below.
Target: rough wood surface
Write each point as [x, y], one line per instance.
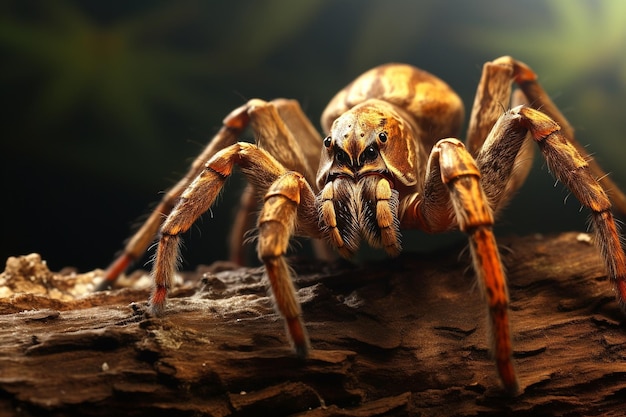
[399, 337]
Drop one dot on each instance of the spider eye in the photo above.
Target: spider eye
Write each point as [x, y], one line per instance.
[369, 154]
[342, 157]
[382, 136]
[328, 141]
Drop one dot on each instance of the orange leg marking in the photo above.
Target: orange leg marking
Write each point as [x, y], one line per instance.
[490, 272]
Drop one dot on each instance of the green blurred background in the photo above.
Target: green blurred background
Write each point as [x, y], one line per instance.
[104, 104]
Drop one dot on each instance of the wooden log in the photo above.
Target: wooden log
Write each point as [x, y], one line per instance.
[404, 336]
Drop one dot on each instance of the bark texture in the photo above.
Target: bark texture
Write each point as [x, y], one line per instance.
[403, 336]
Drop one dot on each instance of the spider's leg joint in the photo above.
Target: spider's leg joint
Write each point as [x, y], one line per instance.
[539, 124]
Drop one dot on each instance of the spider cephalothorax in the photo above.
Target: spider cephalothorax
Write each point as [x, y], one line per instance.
[389, 161]
[358, 175]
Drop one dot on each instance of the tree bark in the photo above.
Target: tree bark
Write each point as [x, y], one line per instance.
[404, 336]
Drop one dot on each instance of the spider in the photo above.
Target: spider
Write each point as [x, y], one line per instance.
[389, 161]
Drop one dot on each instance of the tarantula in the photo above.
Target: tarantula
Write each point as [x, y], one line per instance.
[389, 161]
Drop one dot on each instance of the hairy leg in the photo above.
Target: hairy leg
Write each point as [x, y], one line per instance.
[573, 170]
[136, 246]
[276, 225]
[453, 187]
[283, 130]
[198, 198]
[538, 99]
[280, 126]
[493, 98]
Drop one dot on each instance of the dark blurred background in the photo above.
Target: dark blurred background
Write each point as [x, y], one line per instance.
[104, 104]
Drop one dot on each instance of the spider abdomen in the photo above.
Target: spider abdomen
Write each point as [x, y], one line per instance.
[431, 102]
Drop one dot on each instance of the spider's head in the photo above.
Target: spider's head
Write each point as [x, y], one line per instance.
[372, 138]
